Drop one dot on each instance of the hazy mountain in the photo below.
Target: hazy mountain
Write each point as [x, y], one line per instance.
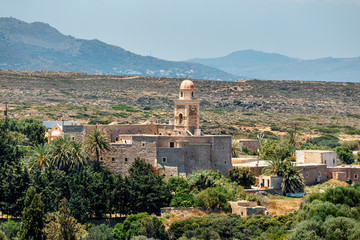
[38, 46]
[273, 66]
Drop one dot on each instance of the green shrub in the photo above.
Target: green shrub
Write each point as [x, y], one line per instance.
[345, 155]
[2, 236]
[10, 228]
[182, 200]
[100, 232]
[243, 177]
[214, 197]
[328, 140]
[141, 224]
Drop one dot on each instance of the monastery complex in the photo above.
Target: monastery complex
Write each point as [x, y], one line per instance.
[175, 149]
[179, 148]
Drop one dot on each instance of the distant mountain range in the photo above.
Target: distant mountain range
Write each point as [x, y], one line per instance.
[273, 66]
[38, 46]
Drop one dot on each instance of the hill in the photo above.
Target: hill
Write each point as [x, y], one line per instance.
[240, 108]
[38, 46]
[273, 66]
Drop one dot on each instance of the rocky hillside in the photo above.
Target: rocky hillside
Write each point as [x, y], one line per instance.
[38, 46]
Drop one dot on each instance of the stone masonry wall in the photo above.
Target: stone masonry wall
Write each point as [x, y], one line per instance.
[121, 156]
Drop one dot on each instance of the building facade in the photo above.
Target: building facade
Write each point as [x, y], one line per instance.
[175, 149]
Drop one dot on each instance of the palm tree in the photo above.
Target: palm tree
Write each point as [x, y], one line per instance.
[97, 142]
[62, 149]
[79, 158]
[39, 156]
[276, 167]
[67, 154]
[292, 179]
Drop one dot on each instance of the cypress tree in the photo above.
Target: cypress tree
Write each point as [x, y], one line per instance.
[33, 217]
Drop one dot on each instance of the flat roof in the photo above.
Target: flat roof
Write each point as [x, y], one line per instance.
[318, 151]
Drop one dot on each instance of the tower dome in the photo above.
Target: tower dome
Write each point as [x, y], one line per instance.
[187, 85]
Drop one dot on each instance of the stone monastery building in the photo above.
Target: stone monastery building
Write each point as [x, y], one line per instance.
[175, 149]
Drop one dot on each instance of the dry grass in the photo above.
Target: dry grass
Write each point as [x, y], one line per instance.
[178, 215]
[279, 205]
[328, 184]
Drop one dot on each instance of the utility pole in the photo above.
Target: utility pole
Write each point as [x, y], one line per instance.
[6, 116]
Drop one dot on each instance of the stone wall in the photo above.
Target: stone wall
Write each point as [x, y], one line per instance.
[121, 156]
[75, 132]
[342, 173]
[317, 156]
[313, 174]
[221, 153]
[174, 161]
[113, 131]
[252, 145]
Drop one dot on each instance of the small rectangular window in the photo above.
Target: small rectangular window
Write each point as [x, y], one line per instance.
[319, 174]
[116, 139]
[143, 144]
[307, 175]
[101, 158]
[73, 138]
[126, 159]
[164, 159]
[355, 176]
[172, 144]
[225, 162]
[113, 159]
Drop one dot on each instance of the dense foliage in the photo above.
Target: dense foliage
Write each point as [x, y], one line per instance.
[56, 189]
[231, 227]
[243, 177]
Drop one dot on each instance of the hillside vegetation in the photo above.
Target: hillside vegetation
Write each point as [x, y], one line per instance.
[240, 108]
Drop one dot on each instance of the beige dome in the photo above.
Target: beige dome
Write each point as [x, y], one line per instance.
[56, 133]
[187, 84]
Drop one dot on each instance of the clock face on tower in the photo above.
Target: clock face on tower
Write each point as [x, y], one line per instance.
[193, 110]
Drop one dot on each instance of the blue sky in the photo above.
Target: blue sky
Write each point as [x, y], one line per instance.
[180, 30]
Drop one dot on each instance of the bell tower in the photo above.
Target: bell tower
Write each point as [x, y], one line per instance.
[186, 114]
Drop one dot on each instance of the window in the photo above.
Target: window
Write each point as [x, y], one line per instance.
[180, 118]
[126, 159]
[333, 161]
[117, 139]
[113, 159]
[225, 162]
[192, 94]
[181, 94]
[355, 176]
[164, 159]
[101, 158]
[325, 161]
[172, 144]
[307, 175]
[319, 174]
[73, 138]
[143, 144]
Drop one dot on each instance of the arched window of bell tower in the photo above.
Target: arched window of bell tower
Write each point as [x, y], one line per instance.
[181, 94]
[180, 118]
[192, 94]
